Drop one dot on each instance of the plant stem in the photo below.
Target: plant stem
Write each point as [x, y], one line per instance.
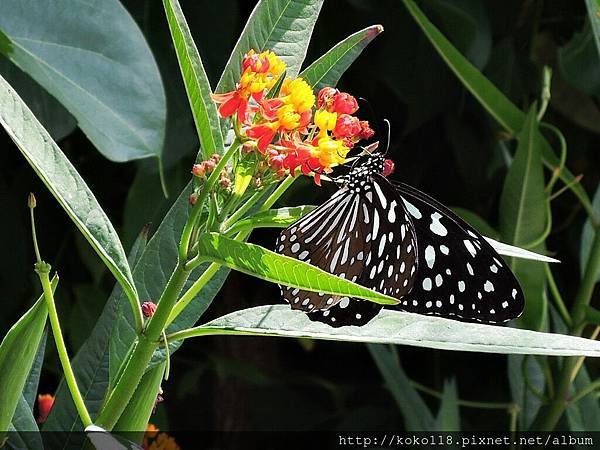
[465, 403]
[142, 354]
[61, 348]
[586, 390]
[549, 417]
[558, 300]
[197, 209]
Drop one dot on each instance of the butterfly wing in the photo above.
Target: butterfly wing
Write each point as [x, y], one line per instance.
[375, 246]
[460, 275]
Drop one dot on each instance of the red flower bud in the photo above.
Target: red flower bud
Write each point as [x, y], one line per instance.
[199, 170]
[45, 403]
[347, 126]
[209, 165]
[148, 309]
[193, 199]
[344, 103]
[365, 130]
[325, 97]
[225, 182]
[388, 167]
[276, 162]
[248, 147]
[215, 157]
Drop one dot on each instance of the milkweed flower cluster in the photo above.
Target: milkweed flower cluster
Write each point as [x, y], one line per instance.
[289, 126]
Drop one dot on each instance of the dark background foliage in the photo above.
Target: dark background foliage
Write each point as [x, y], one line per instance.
[442, 142]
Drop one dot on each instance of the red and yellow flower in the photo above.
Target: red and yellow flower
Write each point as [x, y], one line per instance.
[293, 129]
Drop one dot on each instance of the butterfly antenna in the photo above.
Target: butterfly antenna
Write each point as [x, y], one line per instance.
[389, 136]
[372, 115]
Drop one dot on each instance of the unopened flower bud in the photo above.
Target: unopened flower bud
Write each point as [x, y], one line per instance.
[248, 147]
[388, 167]
[215, 157]
[325, 97]
[347, 126]
[365, 130]
[31, 203]
[148, 309]
[225, 182]
[209, 165]
[193, 199]
[199, 170]
[344, 103]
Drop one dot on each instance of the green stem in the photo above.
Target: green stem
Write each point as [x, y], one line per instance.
[142, 354]
[184, 244]
[465, 403]
[586, 391]
[549, 417]
[239, 213]
[61, 348]
[558, 300]
[191, 293]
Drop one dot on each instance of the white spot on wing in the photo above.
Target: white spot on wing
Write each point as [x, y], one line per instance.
[436, 226]
[412, 209]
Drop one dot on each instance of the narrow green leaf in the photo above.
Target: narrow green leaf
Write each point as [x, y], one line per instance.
[329, 68]
[267, 265]
[416, 414]
[140, 407]
[394, 327]
[593, 10]
[244, 171]
[491, 98]
[272, 218]
[196, 81]
[30, 390]
[587, 236]
[63, 181]
[448, 418]
[18, 350]
[524, 217]
[23, 431]
[93, 58]
[283, 26]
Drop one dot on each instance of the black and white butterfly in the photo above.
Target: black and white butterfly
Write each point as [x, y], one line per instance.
[398, 241]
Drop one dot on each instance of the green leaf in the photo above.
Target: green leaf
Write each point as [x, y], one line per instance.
[91, 367]
[579, 61]
[272, 218]
[524, 217]
[196, 82]
[267, 265]
[23, 432]
[416, 414]
[587, 236]
[593, 10]
[520, 368]
[448, 418]
[244, 171]
[394, 327]
[477, 222]
[94, 59]
[468, 25]
[18, 350]
[584, 415]
[63, 181]
[489, 96]
[138, 411]
[53, 116]
[329, 68]
[283, 26]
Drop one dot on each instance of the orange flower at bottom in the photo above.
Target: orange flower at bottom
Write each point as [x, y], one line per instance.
[156, 440]
[45, 402]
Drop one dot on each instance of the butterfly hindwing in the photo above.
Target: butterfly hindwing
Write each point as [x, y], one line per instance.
[460, 275]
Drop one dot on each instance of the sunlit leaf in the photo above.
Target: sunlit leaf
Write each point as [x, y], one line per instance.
[93, 58]
[394, 327]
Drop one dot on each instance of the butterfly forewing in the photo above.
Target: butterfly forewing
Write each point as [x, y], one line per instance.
[460, 275]
[363, 234]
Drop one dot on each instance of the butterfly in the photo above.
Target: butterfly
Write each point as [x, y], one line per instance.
[398, 241]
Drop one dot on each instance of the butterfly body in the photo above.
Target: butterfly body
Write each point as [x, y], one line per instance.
[400, 242]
